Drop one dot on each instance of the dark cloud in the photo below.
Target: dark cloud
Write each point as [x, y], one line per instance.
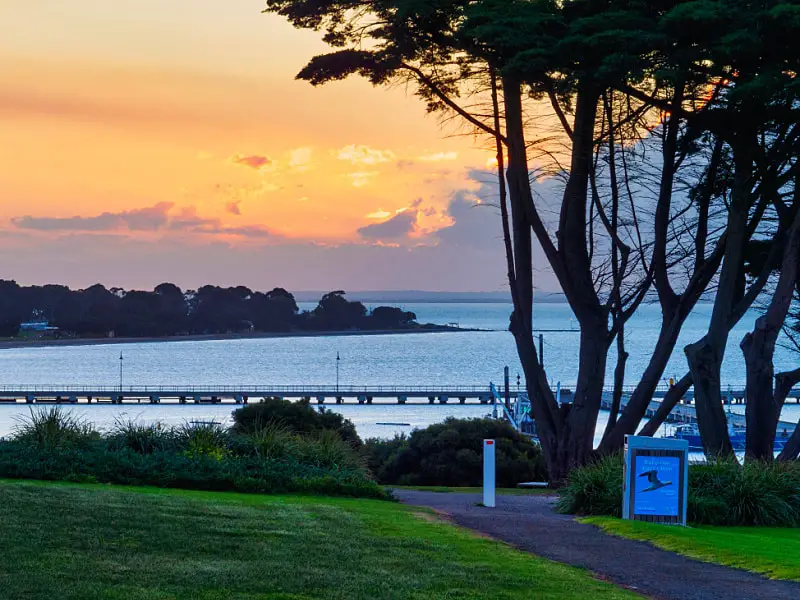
[254, 161]
[150, 218]
[398, 226]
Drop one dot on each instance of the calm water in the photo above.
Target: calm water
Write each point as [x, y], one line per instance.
[444, 358]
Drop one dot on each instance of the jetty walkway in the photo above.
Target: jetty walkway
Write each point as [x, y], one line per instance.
[227, 394]
[478, 394]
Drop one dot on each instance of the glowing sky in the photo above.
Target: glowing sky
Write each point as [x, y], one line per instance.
[152, 140]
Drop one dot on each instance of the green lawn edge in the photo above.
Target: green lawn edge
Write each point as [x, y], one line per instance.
[769, 551]
[385, 543]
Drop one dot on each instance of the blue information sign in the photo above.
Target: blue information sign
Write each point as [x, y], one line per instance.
[656, 484]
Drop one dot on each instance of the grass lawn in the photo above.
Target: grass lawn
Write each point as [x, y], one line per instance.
[775, 552]
[474, 490]
[88, 541]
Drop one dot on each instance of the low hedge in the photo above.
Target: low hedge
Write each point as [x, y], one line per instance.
[765, 494]
[194, 472]
[53, 444]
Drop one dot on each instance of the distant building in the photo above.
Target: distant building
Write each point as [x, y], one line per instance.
[37, 329]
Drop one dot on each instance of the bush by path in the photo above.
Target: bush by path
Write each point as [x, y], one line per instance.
[451, 454]
[720, 493]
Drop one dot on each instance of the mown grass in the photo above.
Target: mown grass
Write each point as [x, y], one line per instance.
[87, 541]
[771, 551]
[474, 490]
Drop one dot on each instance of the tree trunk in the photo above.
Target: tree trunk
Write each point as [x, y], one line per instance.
[784, 382]
[762, 411]
[543, 405]
[619, 381]
[705, 363]
[582, 417]
[705, 356]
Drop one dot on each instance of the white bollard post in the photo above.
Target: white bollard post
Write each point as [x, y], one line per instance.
[488, 473]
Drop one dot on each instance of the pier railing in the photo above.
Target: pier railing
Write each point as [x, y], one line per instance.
[253, 388]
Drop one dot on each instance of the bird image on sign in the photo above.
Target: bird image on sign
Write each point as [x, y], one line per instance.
[655, 482]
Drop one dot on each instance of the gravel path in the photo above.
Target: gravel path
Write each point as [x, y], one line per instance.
[529, 523]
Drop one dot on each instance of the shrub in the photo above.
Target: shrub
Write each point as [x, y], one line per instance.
[54, 427]
[595, 489]
[298, 417]
[379, 451]
[721, 492]
[451, 454]
[203, 439]
[756, 493]
[170, 469]
[144, 438]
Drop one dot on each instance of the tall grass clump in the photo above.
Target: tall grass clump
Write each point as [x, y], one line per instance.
[272, 440]
[326, 449]
[53, 428]
[765, 494]
[595, 489]
[142, 438]
[207, 439]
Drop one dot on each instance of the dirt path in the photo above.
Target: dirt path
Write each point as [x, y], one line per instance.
[529, 523]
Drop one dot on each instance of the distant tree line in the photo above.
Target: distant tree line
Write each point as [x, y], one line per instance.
[167, 310]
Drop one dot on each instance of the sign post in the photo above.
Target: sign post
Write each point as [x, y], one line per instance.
[655, 485]
[488, 473]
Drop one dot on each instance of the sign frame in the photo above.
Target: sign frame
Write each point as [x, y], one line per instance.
[667, 507]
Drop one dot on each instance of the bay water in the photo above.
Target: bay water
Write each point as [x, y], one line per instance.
[449, 358]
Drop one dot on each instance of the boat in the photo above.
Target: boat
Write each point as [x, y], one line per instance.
[396, 424]
[737, 434]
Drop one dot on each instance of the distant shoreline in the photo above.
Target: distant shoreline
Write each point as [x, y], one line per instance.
[13, 344]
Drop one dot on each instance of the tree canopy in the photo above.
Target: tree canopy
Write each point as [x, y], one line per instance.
[673, 128]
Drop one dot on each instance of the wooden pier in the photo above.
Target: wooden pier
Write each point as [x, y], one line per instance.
[344, 394]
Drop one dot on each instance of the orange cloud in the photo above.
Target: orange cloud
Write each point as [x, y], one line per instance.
[364, 155]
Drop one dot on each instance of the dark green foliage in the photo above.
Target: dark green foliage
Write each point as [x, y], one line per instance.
[52, 444]
[595, 489]
[379, 451]
[144, 438]
[451, 454]
[720, 492]
[162, 469]
[297, 417]
[762, 494]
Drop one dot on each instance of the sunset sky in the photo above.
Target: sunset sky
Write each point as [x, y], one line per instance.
[153, 140]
